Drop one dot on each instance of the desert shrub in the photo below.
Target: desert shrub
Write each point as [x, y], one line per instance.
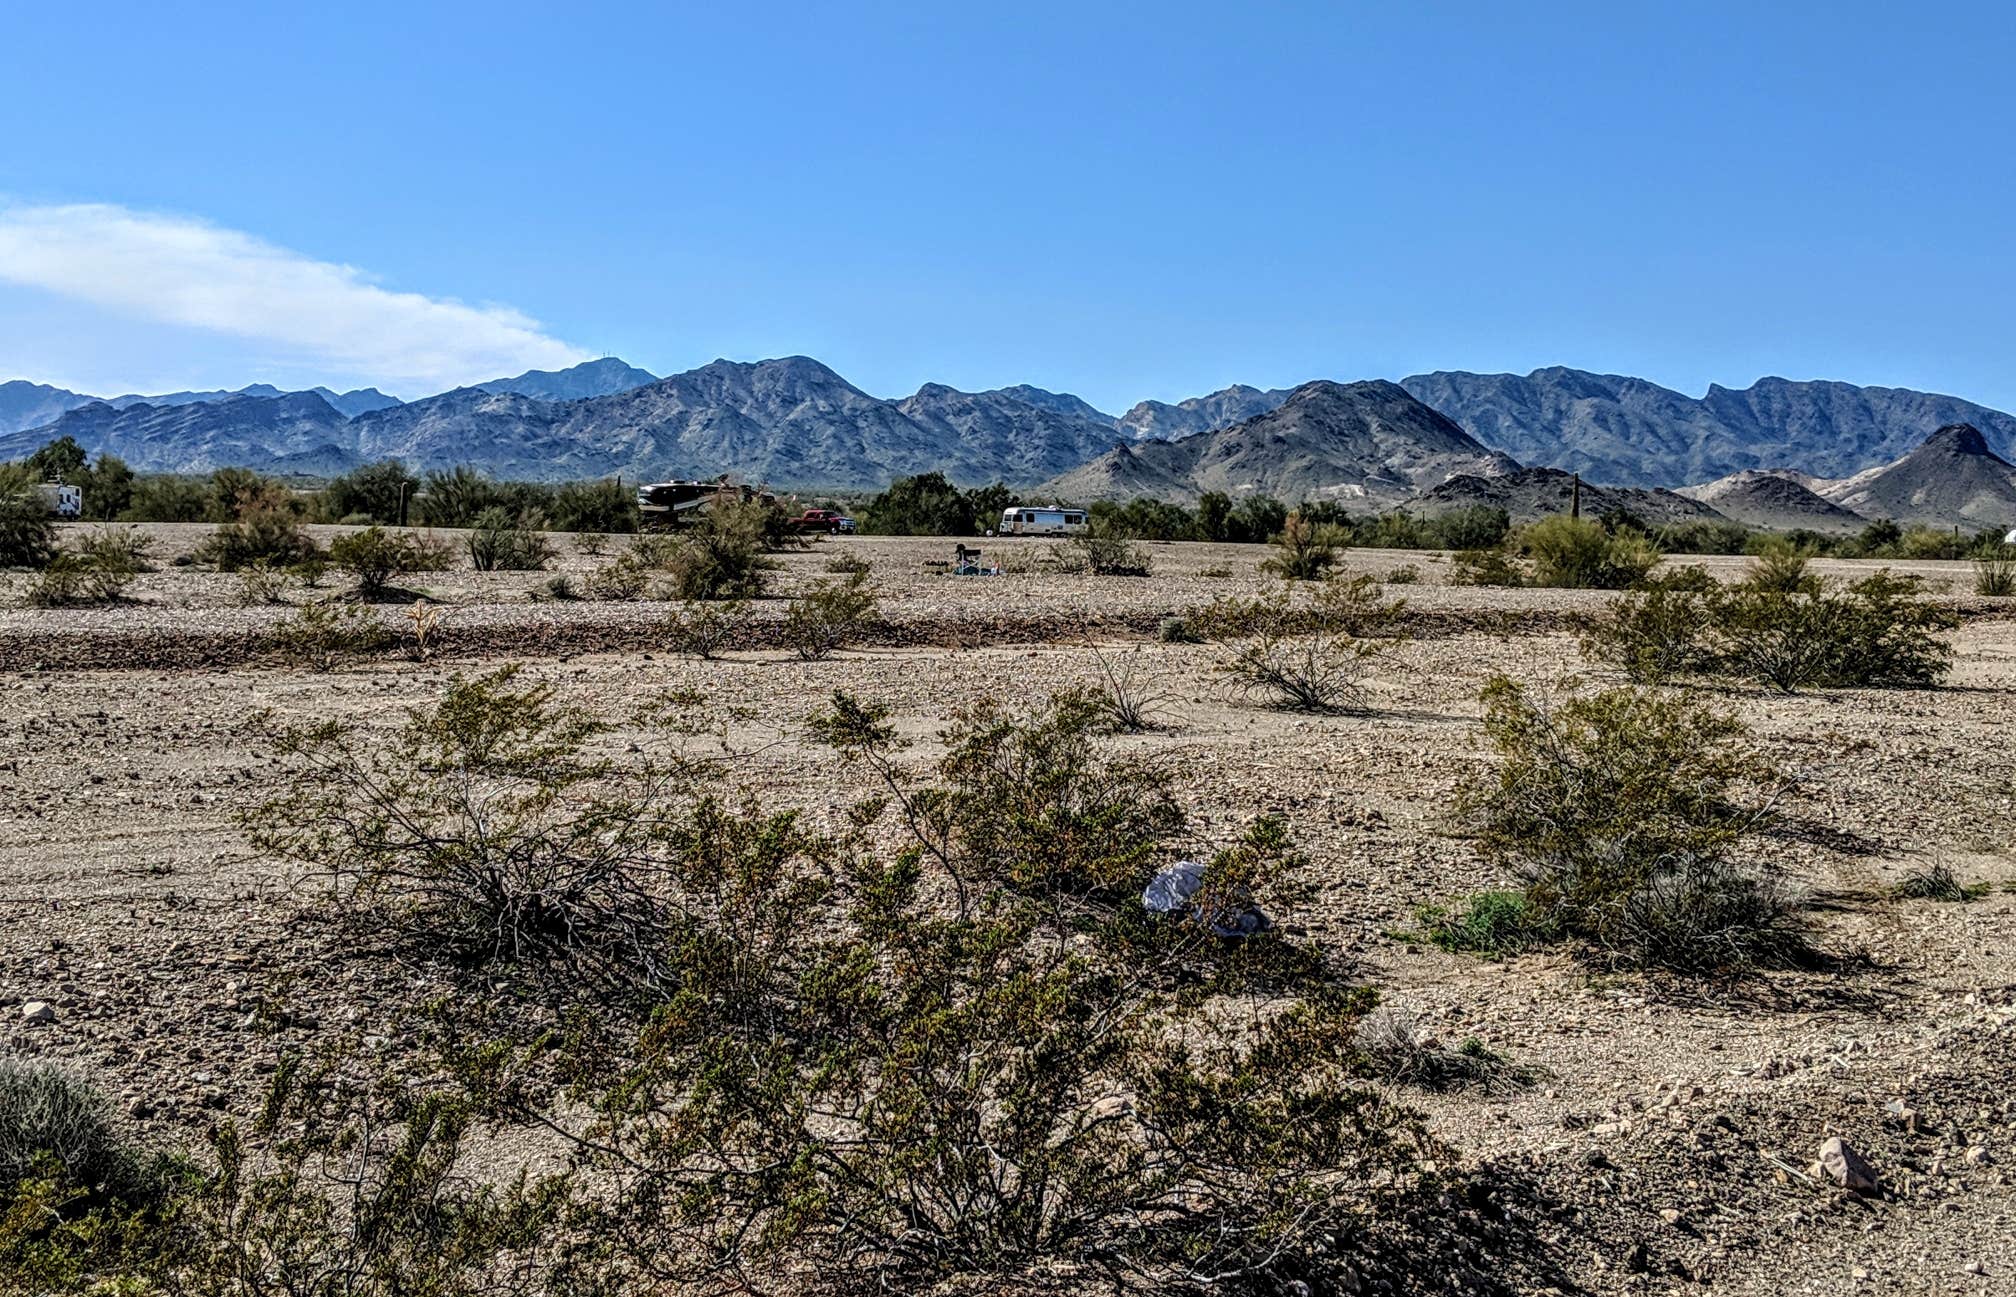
[1937, 882]
[372, 493]
[599, 506]
[49, 1114]
[704, 629]
[1319, 670]
[1780, 626]
[1933, 543]
[167, 498]
[1995, 571]
[1405, 574]
[502, 542]
[127, 547]
[1393, 1046]
[928, 504]
[594, 544]
[1578, 554]
[1492, 566]
[79, 577]
[322, 636]
[1878, 632]
[485, 830]
[625, 577]
[309, 571]
[1124, 701]
[27, 533]
[1141, 517]
[1108, 554]
[452, 497]
[1305, 550]
[1705, 537]
[720, 557]
[960, 1062]
[1781, 568]
[827, 615]
[885, 1084]
[1662, 632]
[560, 588]
[1175, 630]
[1489, 923]
[376, 557]
[264, 535]
[847, 564]
[260, 584]
[1618, 811]
[1477, 526]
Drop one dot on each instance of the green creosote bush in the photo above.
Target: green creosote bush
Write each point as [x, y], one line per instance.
[27, 532]
[322, 636]
[1304, 549]
[1620, 812]
[956, 1057]
[376, 557]
[1106, 554]
[721, 556]
[260, 584]
[828, 615]
[1780, 626]
[1492, 566]
[339, 1184]
[704, 629]
[86, 574]
[260, 535]
[847, 564]
[500, 541]
[1579, 554]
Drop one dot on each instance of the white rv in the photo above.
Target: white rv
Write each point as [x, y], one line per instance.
[1036, 521]
[61, 499]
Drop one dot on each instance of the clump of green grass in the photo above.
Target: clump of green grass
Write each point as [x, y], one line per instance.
[1489, 923]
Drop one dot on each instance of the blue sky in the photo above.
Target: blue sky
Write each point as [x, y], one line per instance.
[1121, 201]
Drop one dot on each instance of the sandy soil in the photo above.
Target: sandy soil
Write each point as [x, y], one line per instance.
[1672, 1127]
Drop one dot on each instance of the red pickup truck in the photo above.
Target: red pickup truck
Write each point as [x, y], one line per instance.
[823, 520]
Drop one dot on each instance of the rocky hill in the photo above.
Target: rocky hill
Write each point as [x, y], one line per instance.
[1160, 421]
[1777, 501]
[295, 431]
[1025, 441]
[1618, 429]
[1953, 480]
[603, 377]
[1529, 494]
[25, 405]
[1369, 443]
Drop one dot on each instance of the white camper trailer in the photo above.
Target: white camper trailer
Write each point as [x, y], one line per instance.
[61, 499]
[1029, 520]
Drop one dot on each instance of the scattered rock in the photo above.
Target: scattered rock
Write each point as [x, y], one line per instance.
[38, 1011]
[1846, 1167]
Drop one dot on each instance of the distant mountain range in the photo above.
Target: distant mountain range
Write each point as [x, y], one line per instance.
[1778, 453]
[1366, 444]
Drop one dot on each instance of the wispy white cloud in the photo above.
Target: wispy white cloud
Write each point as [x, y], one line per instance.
[182, 271]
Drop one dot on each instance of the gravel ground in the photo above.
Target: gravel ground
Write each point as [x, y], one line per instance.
[1668, 1136]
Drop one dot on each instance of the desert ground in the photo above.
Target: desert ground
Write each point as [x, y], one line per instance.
[1670, 1129]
